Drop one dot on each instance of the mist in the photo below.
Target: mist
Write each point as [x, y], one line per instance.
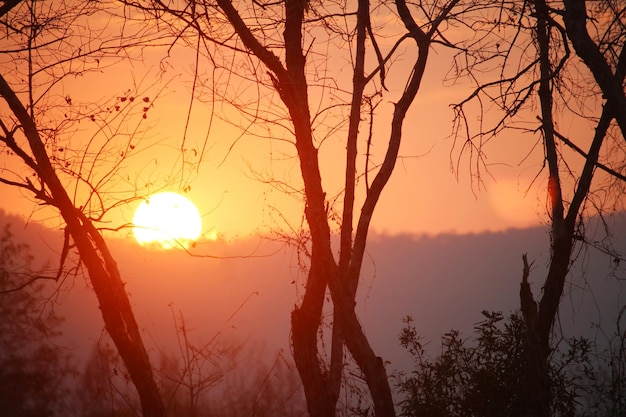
[243, 292]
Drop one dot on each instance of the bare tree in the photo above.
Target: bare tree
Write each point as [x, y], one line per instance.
[47, 42]
[289, 54]
[549, 73]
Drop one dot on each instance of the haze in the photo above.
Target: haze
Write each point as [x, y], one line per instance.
[246, 294]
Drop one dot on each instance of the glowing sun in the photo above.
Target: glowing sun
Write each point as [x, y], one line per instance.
[167, 220]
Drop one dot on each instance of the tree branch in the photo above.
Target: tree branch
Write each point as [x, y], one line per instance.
[575, 18]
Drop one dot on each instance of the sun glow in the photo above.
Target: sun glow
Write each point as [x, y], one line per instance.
[167, 220]
[511, 203]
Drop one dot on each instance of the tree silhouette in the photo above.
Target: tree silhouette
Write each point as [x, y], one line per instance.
[33, 371]
[48, 43]
[548, 74]
[289, 53]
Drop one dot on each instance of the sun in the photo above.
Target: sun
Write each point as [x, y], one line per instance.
[512, 204]
[167, 220]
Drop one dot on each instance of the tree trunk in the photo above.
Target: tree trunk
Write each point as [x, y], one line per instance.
[357, 343]
[103, 273]
[322, 387]
[539, 319]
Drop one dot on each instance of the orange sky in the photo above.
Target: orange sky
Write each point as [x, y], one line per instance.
[424, 196]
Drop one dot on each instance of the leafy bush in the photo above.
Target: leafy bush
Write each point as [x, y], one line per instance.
[487, 377]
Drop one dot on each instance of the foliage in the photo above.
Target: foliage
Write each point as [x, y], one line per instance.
[33, 371]
[487, 377]
[606, 392]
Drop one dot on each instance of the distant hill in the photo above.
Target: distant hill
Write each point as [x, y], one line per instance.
[442, 281]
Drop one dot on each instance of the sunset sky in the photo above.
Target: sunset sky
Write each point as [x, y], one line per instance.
[229, 185]
[462, 218]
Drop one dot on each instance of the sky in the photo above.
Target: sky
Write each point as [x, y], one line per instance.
[131, 129]
[429, 256]
[236, 180]
[230, 187]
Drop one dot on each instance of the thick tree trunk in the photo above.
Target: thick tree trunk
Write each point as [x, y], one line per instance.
[357, 343]
[305, 323]
[290, 83]
[117, 313]
[539, 319]
[536, 402]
